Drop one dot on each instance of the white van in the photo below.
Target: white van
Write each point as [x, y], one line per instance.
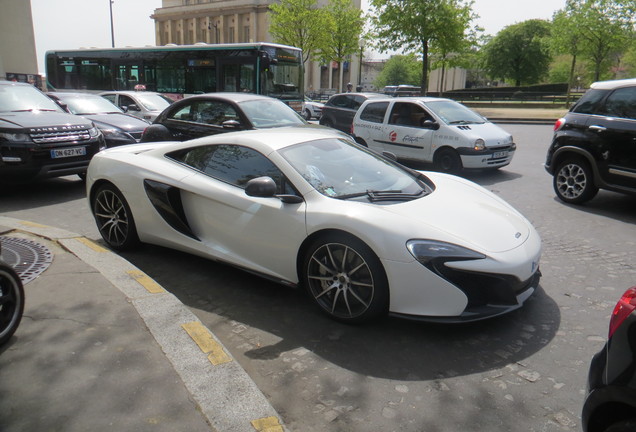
[435, 130]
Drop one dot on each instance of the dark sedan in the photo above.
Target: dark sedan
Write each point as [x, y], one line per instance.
[610, 405]
[340, 109]
[213, 113]
[118, 128]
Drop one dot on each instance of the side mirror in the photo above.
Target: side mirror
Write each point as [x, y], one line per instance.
[231, 124]
[389, 155]
[156, 132]
[430, 124]
[265, 187]
[132, 107]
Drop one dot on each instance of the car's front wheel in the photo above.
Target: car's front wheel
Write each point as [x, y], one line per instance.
[307, 114]
[573, 181]
[345, 278]
[448, 161]
[114, 218]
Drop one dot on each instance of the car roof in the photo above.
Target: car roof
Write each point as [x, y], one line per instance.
[127, 92]
[612, 84]
[62, 95]
[366, 94]
[424, 99]
[229, 96]
[265, 141]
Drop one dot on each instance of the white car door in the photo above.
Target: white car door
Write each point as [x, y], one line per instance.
[406, 132]
[259, 234]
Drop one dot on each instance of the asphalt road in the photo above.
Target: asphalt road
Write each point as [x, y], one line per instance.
[522, 372]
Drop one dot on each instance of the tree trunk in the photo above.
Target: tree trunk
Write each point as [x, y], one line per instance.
[570, 80]
[424, 68]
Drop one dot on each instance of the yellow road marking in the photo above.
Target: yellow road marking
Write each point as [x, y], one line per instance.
[267, 424]
[91, 244]
[33, 224]
[202, 337]
[145, 281]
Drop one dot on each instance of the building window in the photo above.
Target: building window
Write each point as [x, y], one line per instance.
[246, 33]
[230, 38]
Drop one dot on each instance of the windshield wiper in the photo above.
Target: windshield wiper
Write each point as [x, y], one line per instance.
[383, 195]
[34, 109]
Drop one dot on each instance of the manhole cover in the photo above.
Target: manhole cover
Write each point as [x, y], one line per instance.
[28, 258]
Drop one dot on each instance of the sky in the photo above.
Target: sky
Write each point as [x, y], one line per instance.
[68, 24]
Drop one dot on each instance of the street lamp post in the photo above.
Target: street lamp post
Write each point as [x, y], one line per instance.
[360, 68]
[112, 28]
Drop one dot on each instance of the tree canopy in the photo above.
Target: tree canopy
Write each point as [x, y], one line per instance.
[417, 26]
[519, 52]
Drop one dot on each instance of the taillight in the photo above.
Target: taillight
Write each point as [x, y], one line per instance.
[559, 124]
[625, 306]
[351, 129]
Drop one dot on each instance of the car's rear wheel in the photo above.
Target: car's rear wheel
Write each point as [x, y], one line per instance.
[345, 278]
[448, 161]
[11, 302]
[327, 122]
[307, 114]
[114, 218]
[573, 181]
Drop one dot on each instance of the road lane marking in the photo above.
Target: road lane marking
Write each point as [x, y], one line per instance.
[207, 344]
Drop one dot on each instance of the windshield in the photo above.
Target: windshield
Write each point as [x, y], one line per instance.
[453, 113]
[282, 81]
[89, 105]
[268, 113]
[24, 98]
[153, 101]
[339, 169]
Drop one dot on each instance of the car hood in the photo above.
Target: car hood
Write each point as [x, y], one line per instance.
[40, 119]
[492, 134]
[120, 121]
[467, 214]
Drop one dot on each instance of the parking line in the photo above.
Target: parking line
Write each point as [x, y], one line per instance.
[207, 344]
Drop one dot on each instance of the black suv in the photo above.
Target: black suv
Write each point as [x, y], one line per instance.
[340, 109]
[38, 139]
[594, 145]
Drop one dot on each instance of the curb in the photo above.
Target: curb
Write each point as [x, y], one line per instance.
[228, 398]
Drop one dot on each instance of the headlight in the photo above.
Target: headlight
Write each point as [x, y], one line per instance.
[93, 131]
[17, 137]
[431, 252]
[117, 135]
[480, 144]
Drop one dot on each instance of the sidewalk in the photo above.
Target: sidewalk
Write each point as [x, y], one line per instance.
[101, 346]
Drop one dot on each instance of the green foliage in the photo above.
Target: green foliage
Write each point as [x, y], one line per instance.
[400, 69]
[298, 23]
[420, 26]
[519, 52]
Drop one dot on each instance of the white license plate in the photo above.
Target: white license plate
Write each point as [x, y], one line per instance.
[500, 154]
[68, 152]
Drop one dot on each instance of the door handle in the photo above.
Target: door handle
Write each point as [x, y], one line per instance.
[597, 128]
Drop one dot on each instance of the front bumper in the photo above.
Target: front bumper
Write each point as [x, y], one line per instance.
[487, 158]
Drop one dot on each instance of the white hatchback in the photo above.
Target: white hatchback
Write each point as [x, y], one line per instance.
[427, 129]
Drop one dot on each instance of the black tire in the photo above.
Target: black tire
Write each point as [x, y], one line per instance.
[307, 114]
[11, 301]
[573, 181]
[345, 279]
[622, 426]
[447, 160]
[114, 218]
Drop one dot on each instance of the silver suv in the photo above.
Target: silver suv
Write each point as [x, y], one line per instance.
[142, 104]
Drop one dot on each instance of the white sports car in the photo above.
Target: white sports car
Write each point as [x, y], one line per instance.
[362, 234]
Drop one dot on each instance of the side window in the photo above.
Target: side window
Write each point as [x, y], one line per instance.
[621, 103]
[213, 113]
[182, 113]
[589, 101]
[232, 164]
[125, 101]
[110, 97]
[357, 101]
[408, 114]
[374, 112]
[340, 102]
